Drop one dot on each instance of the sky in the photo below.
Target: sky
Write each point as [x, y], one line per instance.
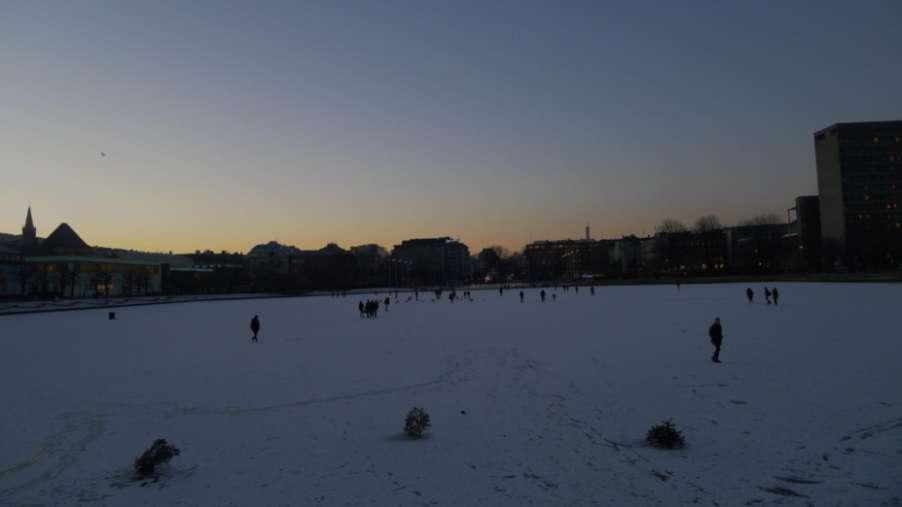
[228, 124]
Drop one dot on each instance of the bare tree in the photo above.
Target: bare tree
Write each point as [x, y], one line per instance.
[503, 253]
[763, 219]
[671, 226]
[707, 223]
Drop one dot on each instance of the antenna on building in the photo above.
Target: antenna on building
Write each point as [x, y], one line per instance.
[588, 233]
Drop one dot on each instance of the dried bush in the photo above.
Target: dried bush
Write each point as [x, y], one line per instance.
[665, 435]
[159, 452]
[416, 422]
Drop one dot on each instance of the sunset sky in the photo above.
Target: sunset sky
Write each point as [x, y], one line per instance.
[228, 124]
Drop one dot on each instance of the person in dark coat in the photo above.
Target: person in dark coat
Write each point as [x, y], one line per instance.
[255, 327]
[362, 309]
[542, 295]
[776, 295]
[716, 334]
[767, 294]
[387, 304]
[592, 290]
[521, 296]
[749, 293]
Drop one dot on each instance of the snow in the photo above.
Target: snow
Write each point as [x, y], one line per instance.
[533, 403]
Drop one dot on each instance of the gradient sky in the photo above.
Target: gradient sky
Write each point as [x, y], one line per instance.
[228, 124]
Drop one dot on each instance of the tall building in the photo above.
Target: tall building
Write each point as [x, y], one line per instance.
[859, 179]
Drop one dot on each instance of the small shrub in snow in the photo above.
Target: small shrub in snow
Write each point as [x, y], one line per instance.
[665, 435]
[159, 452]
[416, 422]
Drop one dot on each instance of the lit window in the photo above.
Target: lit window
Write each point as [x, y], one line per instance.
[876, 140]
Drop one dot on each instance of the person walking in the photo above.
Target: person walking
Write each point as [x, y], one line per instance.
[776, 295]
[521, 296]
[767, 294]
[255, 327]
[749, 293]
[715, 332]
[542, 295]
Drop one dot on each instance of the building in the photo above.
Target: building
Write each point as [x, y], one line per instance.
[859, 178]
[756, 248]
[626, 255]
[277, 267]
[431, 261]
[63, 265]
[568, 259]
[805, 234]
[371, 265]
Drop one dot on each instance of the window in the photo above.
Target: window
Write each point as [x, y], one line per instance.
[876, 140]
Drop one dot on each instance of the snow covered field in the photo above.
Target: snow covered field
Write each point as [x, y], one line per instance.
[532, 404]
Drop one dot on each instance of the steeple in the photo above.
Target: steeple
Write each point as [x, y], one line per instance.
[29, 233]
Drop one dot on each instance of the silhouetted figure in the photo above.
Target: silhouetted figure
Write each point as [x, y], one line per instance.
[767, 294]
[749, 293]
[776, 296]
[500, 291]
[387, 304]
[592, 290]
[255, 327]
[542, 295]
[576, 288]
[554, 297]
[716, 334]
[361, 308]
[521, 296]
[678, 285]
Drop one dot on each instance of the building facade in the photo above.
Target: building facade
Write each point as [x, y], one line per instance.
[432, 261]
[859, 177]
[63, 265]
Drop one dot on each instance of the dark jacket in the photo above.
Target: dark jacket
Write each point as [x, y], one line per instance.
[255, 324]
[716, 334]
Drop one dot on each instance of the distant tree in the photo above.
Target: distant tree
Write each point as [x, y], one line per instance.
[707, 223]
[671, 226]
[503, 253]
[763, 219]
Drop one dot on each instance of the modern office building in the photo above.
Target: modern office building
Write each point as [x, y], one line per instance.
[859, 177]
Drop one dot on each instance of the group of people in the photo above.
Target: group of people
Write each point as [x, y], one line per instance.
[370, 309]
[768, 293]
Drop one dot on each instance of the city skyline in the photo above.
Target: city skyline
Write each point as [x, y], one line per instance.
[223, 126]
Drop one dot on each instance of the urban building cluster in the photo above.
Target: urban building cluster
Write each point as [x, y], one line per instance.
[854, 223]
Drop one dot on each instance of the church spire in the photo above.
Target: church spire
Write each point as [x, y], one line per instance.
[29, 223]
[29, 233]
